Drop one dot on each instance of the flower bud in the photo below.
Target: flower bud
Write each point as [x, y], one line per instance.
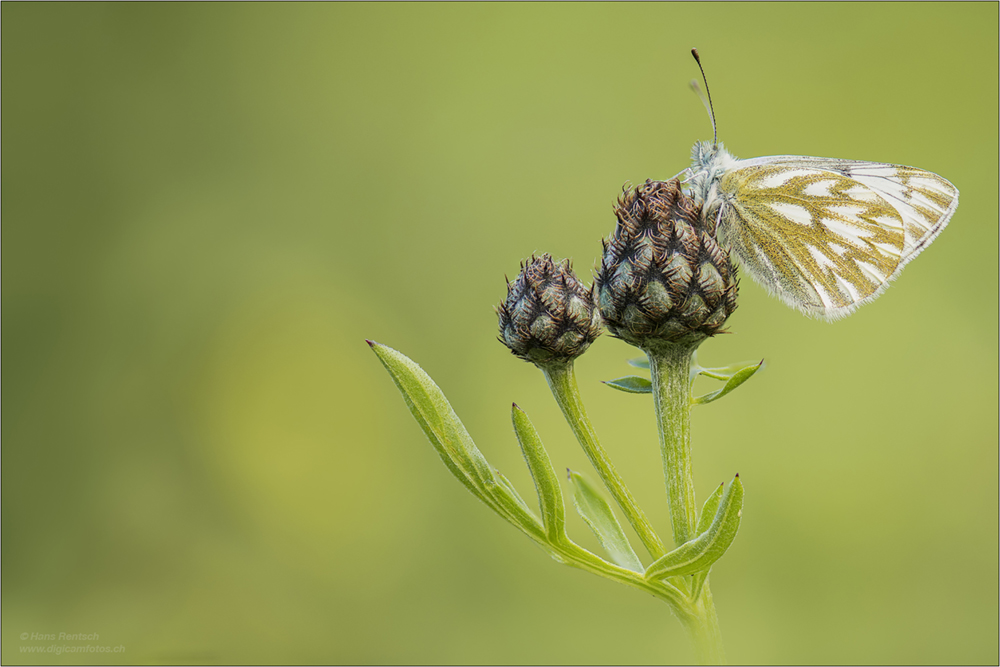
[663, 277]
[549, 315]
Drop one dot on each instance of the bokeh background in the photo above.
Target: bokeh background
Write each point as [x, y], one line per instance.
[208, 207]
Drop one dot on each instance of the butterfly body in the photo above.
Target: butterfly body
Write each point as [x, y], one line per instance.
[824, 235]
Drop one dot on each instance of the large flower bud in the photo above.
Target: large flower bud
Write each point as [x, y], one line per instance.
[549, 316]
[663, 277]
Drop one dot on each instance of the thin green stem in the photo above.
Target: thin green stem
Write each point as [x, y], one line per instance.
[670, 368]
[562, 382]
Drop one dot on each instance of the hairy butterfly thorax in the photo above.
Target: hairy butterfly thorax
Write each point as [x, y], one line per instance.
[709, 161]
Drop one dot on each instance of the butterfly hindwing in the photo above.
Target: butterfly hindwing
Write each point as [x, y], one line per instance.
[828, 235]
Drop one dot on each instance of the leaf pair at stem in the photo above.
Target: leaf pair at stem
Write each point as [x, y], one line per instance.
[717, 527]
[734, 376]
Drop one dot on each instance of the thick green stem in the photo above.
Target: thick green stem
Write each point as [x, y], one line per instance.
[670, 368]
[703, 627]
[562, 382]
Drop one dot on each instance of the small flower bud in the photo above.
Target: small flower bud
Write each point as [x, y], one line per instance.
[549, 315]
[663, 276]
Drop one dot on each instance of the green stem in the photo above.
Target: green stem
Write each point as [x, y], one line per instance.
[670, 368]
[562, 382]
[698, 617]
[703, 628]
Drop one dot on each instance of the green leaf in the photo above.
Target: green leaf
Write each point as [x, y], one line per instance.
[596, 511]
[632, 384]
[550, 498]
[735, 380]
[639, 362]
[698, 554]
[452, 441]
[709, 509]
[722, 372]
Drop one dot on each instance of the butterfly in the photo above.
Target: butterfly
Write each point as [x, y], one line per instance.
[823, 235]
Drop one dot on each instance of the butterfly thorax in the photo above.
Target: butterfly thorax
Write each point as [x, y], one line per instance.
[708, 163]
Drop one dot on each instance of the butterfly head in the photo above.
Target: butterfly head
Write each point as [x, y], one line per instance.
[709, 161]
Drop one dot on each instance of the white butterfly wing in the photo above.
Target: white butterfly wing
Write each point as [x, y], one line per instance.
[827, 235]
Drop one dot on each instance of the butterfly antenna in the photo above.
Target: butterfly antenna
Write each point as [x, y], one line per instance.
[711, 109]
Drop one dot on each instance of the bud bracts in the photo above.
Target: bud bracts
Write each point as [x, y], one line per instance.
[663, 276]
[549, 316]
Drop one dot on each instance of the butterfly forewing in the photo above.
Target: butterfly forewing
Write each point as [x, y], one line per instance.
[828, 235]
[924, 200]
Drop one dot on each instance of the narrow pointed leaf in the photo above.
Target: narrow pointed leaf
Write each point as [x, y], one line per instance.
[705, 519]
[632, 384]
[738, 378]
[700, 553]
[437, 419]
[725, 372]
[596, 511]
[709, 509]
[550, 498]
[639, 362]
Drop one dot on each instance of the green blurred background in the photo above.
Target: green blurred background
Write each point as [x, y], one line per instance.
[208, 207]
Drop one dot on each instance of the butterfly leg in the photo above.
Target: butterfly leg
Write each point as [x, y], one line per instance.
[718, 219]
[685, 172]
